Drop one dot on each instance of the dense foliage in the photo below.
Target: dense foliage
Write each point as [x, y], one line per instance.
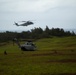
[35, 33]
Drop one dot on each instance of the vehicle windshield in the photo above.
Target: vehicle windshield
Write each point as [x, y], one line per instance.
[29, 43]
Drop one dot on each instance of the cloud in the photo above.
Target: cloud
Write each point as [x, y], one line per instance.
[55, 13]
[26, 5]
[34, 5]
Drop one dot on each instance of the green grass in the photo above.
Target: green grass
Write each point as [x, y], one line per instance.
[57, 43]
[54, 56]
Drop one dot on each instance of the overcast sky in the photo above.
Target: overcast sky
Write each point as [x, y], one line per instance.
[53, 13]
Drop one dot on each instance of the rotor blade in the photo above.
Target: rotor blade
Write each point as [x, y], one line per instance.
[22, 21]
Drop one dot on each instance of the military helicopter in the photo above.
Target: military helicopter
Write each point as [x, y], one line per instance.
[28, 46]
[26, 23]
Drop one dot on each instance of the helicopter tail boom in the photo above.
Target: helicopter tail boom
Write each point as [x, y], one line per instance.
[16, 24]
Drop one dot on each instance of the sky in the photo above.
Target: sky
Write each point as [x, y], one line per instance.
[51, 13]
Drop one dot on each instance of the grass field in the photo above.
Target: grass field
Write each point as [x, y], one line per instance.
[54, 56]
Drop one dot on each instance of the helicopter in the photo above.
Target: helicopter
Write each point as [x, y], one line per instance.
[26, 23]
[28, 46]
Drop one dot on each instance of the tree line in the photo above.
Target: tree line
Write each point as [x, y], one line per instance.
[35, 33]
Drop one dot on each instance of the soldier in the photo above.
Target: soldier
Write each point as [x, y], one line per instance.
[5, 53]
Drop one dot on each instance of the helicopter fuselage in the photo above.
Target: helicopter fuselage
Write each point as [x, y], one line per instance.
[24, 24]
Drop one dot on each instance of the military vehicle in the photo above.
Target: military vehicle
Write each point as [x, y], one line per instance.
[28, 46]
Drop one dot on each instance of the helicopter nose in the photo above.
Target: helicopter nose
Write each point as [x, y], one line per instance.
[32, 23]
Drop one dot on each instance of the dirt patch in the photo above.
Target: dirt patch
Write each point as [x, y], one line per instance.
[2, 44]
[47, 54]
[58, 74]
[68, 60]
[44, 54]
[65, 74]
[63, 61]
